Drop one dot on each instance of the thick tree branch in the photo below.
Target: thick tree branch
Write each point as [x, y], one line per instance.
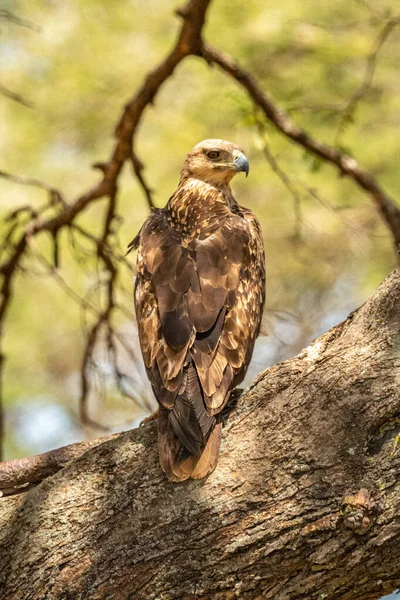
[16, 475]
[304, 502]
[346, 164]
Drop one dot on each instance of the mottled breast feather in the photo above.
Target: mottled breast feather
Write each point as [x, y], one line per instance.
[199, 297]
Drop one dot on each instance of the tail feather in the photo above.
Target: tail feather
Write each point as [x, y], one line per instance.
[209, 457]
[189, 437]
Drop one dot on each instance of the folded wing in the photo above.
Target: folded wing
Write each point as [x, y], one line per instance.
[199, 303]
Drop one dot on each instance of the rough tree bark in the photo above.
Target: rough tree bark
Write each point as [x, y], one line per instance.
[304, 502]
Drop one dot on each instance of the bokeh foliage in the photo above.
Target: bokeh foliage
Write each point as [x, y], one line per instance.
[326, 250]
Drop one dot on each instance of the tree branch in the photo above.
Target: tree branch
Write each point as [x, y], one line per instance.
[346, 164]
[17, 475]
[188, 42]
[13, 18]
[4, 91]
[351, 105]
[138, 169]
[303, 504]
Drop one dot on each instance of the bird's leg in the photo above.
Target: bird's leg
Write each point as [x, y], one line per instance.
[151, 417]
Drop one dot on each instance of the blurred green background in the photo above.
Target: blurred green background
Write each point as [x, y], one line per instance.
[81, 61]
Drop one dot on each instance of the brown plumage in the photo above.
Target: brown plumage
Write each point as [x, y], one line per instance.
[199, 297]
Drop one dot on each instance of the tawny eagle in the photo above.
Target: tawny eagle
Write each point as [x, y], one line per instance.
[199, 297]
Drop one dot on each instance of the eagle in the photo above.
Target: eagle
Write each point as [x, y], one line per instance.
[199, 296]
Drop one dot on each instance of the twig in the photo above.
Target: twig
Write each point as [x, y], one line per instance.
[138, 168]
[104, 317]
[351, 105]
[9, 16]
[286, 180]
[31, 181]
[14, 96]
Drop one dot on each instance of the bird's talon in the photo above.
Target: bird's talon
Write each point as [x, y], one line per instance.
[151, 417]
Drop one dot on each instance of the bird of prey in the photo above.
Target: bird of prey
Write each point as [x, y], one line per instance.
[199, 297]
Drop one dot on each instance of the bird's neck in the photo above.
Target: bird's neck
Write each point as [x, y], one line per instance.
[200, 194]
[197, 208]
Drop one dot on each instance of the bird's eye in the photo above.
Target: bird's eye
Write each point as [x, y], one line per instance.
[213, 154]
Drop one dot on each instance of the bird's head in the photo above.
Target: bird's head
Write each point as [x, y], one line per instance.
[215, 162]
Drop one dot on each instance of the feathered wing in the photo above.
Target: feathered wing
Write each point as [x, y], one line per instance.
[199, 303]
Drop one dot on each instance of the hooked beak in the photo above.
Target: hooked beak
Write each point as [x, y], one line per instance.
[241, 163]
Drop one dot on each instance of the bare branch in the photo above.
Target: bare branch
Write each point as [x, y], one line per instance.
[31, 181]
[346, 165]
[87, 364]
[286, 180]
[138, 168]
[293, 183]
[14, 96]
[13, 18]
[351, 105]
